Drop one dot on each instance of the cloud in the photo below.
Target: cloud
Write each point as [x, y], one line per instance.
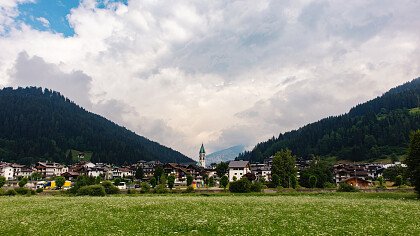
[43, 21]
[222, 73]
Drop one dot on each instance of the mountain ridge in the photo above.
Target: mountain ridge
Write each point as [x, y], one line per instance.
[375, 129]
[41, 124]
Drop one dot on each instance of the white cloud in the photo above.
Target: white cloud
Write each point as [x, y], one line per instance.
[222, 73]
[43, 21]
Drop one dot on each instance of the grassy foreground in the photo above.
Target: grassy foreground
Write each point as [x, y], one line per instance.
[300, 214]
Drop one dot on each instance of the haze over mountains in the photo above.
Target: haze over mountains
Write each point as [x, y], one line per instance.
[224, 155]
[38, 124]
[373, 130]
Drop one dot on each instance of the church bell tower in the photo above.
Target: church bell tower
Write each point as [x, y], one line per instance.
[202, 157]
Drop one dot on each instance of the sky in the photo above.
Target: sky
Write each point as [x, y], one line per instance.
[222, 73]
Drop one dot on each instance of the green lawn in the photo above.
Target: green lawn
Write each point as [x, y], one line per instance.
[291, 214]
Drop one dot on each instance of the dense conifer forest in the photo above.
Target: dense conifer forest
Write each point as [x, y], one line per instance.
[38, 124]
[373, 130]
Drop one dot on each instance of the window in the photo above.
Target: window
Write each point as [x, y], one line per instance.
[240, 173]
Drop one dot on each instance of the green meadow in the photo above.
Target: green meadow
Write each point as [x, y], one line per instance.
[218, 214]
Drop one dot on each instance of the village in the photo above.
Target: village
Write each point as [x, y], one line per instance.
[360, 175]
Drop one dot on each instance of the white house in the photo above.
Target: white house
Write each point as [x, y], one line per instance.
[238, 169]
[7, 171]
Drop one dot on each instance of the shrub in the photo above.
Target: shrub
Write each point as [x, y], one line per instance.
[189, 189]
[189, 180]
[241, 186]
[312, 181]
[161, 188]
[92, 190]
[153, 182]
[145, 188]
[256, 187]
[23, 191]
[224, 181]
[2, 192]
[10, 192]
[110, 188]
[398, 180]
[2, 181]
[23, 182]
[330, 185]
[39, 190]
[345, 187]
[171, 181]
[131, 191]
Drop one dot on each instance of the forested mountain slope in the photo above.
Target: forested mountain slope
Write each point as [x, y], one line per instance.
[369, 131]
[38, 124]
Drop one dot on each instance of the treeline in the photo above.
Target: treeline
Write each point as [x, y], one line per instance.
[376, 129]
[38, 124]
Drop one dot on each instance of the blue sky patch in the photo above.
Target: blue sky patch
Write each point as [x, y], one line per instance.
[47, 15]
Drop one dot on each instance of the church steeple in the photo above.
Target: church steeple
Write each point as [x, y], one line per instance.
[202, 149]
[202, 156]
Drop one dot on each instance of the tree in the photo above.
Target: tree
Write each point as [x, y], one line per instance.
[139, 173]
[413, 160]
[158, 172]
[398, 180]
[222, 168]
[189, 180]
[321, 170]
[284, 166]
[153, 182]
[312, 181]
[211, 181]
[381, 181]
[2, 181]
[23, 182]
[275, 180]
[224, 181]
[241, 186]
[59, 181]
[171, 181]
[36, 176]
[163, 180]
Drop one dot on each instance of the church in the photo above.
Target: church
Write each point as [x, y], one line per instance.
[202, 157]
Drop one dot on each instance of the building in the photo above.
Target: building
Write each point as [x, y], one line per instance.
[357, 182]
[238, 169]
[261, 171]
[202, 157]
[50, 169]
[7, 171]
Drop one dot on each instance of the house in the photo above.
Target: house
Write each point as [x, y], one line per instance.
[357, 182]
[50, 169]
[7, 171]
[261, 171]
[26, 172]
[238, 169]
[69, 175]
[121, 172]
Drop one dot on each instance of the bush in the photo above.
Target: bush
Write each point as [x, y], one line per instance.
[23, 182]
[398, 180]
[345, 187]
[91, 190]
[39, 190]
[10, 192]
[2, 192]
[2, 181]
[131, 191]
[224, 181]
[189, 189]
[110, 188]
[161, 188]
[241, 186]
[145, 188]
[330, 185]
[24, 191]
[256, 187]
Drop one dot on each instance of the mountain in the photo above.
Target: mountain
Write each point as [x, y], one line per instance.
[38, 124]
[224, 155]
[373, 130]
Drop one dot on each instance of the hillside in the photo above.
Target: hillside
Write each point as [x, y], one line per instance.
[38, 124]
[376, 129]
[224, 155]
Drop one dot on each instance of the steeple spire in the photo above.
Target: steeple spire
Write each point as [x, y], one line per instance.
[202, 149]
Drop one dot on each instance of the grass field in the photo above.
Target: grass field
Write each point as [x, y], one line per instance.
[291, 214]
